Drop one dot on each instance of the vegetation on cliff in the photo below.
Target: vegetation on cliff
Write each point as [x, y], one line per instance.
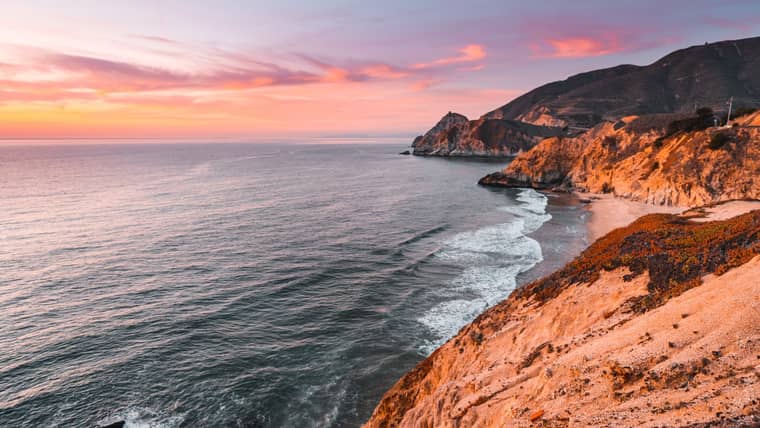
[653, 325]
[659, 159]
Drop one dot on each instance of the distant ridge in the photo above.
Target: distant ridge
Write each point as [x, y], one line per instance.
[705, 76]
[698, 76]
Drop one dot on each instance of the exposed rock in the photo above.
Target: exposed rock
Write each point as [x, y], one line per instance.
[590, 345]
[637, 158]
[454, 135]
[405, 152]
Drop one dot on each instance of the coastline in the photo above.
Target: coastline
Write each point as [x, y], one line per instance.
[609, 212]
[679, 353]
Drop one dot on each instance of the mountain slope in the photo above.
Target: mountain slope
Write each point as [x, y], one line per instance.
[704, 75]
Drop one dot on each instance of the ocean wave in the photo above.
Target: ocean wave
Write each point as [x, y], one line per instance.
[492, 257]
[141, 417]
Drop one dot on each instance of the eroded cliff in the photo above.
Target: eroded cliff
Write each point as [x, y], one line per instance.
[655, 324]
[640, 159]
[455, 135]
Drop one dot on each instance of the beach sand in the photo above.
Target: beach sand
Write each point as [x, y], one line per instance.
[728, 210]
[609, 213]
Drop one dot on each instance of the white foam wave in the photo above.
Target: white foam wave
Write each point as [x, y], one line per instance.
[493, 258]
[533, 201]
[532, 210]
[139, 417]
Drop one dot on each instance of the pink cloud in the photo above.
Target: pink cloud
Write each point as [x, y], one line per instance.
[422, 85]
[384, 71]
[41, 75]
[578, 47]
[469, 53]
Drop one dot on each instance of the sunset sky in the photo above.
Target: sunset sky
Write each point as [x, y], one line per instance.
[270, 69]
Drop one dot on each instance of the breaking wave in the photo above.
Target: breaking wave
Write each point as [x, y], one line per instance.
[492, 257]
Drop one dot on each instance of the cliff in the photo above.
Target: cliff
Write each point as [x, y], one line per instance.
[455, 135]
[704, 76]
[655, 324]
[646, 158]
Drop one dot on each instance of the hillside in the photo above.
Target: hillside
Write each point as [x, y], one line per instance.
[640, 159]
[704, 76]
[655, 324]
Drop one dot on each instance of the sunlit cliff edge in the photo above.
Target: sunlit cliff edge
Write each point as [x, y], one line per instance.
[647, 159]
[655, 324]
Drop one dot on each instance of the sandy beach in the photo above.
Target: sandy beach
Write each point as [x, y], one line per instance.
[609, 213]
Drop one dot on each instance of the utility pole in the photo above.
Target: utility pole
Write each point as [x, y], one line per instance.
[730, 104]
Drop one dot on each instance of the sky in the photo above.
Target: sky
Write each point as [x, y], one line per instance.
[292, 69]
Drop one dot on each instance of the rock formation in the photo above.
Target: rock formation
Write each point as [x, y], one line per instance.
[655, 324]
[638, 158]
[455, 135]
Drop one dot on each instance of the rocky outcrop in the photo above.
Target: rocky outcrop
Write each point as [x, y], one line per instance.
[638, 158]
[705, 75]
[455, 135]
[655, 324]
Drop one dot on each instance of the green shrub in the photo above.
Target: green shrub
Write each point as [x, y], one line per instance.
[610, 142]
[690, 124]
[718, 140]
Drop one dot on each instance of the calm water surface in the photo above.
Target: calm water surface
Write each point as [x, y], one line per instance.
[246, 285]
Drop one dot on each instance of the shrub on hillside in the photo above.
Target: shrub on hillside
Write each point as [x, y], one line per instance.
[719, 140]
[610, 142]
[690, 124]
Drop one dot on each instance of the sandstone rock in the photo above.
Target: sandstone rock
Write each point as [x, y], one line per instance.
[455, 135]
[536, 415]
[640, 161]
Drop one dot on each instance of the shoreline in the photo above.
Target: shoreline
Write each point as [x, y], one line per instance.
[607, 361]
[609, 212]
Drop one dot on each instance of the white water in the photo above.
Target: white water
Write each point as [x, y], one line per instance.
[494, 256]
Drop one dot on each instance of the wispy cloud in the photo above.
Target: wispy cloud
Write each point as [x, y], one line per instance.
[576, 47]
[42, 75]
[580, 41]
[469, 53]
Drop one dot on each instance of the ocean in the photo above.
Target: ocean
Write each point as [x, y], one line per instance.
[247, 285]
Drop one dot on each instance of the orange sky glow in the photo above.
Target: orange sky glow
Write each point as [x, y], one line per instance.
[251, 70]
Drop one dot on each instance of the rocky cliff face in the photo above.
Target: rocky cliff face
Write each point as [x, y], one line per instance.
[655, 324]
[703, 75]
[637, 158]
[455, 135]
